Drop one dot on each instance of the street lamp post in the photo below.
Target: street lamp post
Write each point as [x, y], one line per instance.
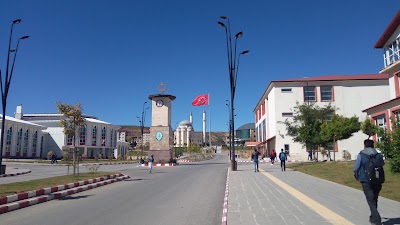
[141, 121]
[233, 67]
[230, 129]
[6, 86]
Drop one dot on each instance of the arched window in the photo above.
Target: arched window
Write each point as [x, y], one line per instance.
[111, 137]
[69, 136]
[8, 141]
[41, 147]
[82, 135]
[19, 141]
[26, 139]
[94, 136]
[34, 144]
[103, 136]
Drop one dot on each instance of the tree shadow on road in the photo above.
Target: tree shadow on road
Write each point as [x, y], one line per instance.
[69, 197]
[391, 221]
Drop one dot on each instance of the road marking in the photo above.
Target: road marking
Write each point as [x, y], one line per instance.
[318, 208]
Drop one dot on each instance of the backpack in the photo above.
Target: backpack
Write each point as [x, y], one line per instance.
[282, 156]
[374, 170]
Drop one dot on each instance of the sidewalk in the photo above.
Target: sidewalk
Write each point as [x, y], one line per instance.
[275, 197]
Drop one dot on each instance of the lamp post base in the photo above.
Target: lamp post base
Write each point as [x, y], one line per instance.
[233, 165]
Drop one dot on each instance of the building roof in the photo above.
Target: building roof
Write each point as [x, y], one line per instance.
[389, 31]
[381, 104]
[95, 121]
[382, 76]
[21, 121]
[248, 126]
[339, 78]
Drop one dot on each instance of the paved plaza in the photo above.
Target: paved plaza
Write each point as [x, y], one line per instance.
[275, 197]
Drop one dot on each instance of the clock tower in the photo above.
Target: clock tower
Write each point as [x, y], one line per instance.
[161, 134]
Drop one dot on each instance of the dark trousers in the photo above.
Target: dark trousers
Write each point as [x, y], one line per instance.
[371, 192]
[283, 165]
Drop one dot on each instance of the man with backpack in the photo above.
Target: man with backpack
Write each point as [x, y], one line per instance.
[283, 159]
[368, 169]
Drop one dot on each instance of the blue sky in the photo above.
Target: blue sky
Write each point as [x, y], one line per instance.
[111, 55]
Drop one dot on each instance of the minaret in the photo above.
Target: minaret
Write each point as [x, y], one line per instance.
[204, 126]
[191, 118]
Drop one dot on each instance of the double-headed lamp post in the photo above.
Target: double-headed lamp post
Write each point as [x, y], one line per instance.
[141, 121]
[6, 86]
[233, 67]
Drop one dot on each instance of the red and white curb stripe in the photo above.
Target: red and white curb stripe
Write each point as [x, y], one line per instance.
[225, 207]
[57, 195]
[186, 160]
[160, 164]
[267, 161]
[44, 191]
[14, 174]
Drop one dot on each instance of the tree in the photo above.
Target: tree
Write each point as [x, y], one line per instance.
[368, 128]
[338, 128]
[389, 145]
[72, 121]
[306, 124]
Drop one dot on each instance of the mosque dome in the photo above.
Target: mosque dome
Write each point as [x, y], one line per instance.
[185, 123]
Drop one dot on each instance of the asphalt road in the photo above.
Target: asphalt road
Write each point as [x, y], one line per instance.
[191, 193]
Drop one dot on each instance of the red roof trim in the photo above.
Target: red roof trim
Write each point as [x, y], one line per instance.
[389, 31]
[381, 104]
[382, 76]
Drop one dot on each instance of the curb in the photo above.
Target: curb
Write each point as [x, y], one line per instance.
[225, 207]
[160, 164]
[267, 161]
[50, 190]
[14, 174]
[186, 160]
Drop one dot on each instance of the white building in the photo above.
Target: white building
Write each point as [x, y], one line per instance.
[23, 139]
[97, 137]
[390, 43]
[350, 94]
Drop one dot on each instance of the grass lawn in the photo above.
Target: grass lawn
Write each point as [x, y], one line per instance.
[342, 173]
[13, 188]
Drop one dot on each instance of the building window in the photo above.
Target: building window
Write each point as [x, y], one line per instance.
[8, 141]
[34, 143]
[392, 52]
[94, 136]
[103, 136]
[41, 147]
[309, 94]
[380, 121]
[286, 90]
[326, 93]
[19, 141]
[287, 150]
[82, 135]
[111, 137]
[287, 114]
[69, 136]
[264, 130]
[26, 138]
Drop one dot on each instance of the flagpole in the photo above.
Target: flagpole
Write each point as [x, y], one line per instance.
[209, 110]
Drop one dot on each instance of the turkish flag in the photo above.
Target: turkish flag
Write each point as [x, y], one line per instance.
[200, 100]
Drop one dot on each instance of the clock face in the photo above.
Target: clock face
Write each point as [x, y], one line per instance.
[159, 136]
[159, 103]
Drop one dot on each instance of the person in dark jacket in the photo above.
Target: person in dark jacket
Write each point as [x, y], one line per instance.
[254, 157]
[283, 159]
[371, 191]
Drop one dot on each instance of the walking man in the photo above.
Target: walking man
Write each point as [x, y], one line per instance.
[272, 156]
[151, 160]
[283, 159]
[361, 172]
[254, 157]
